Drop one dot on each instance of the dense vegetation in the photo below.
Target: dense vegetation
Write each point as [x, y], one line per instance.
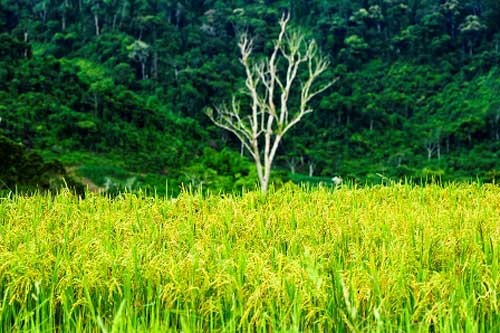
[377, 259]
[116, 89]
[21, 170]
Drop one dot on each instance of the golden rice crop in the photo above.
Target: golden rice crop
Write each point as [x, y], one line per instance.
[399, 258]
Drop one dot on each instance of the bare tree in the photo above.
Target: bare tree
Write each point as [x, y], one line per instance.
[269, 84]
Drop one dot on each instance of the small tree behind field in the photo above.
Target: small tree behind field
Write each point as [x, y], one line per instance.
[271, 84]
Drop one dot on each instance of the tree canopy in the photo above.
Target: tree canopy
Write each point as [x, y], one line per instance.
[124, 83]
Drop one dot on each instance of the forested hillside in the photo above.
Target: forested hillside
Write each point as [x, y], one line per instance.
[116, 89]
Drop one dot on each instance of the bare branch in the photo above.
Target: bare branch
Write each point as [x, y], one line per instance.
[261, 127]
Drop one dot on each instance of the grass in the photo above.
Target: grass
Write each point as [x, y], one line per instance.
[399, 258]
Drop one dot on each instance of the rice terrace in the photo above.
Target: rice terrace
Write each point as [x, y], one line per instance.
[398, 258]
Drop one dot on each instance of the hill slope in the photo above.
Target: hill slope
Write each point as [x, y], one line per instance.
[121, 85]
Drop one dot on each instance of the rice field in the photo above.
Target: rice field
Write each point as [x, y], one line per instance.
[399, 258]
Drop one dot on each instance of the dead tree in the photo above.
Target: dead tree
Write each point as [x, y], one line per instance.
[269, 84]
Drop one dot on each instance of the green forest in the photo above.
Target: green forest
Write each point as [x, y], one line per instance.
[113, 94]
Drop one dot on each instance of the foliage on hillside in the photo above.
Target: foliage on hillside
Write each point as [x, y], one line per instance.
[21, 170]
[127, 80]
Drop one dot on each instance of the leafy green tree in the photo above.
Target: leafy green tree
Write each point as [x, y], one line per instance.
[356, 49]
[472, 29]
[451, 10]
[139, 51]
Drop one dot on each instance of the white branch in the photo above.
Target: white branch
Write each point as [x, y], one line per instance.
[268, 118]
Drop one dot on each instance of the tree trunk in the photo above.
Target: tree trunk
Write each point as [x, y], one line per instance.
[292, 164]
[63, 23]
[26, 41]
[155, 56]
[96, 22]
[260, 168]
[311, 169]
[155, 64]
[262, 175]
[96, 105]
[122, 15]
[44, 13]
[495, 125]
[452, 31]
[430, 150]
[143, 70]
[178, 15]
[265, 180]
